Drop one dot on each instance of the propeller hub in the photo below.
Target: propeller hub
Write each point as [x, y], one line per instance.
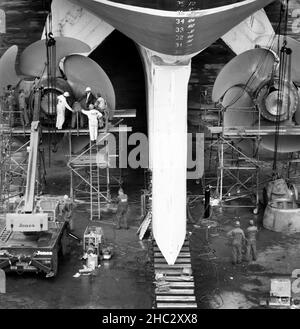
[277, 102]
[49, 97]
[49, 101]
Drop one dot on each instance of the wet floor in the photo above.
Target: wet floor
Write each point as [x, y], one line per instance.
[122, 282]
[219, 284]
[125, 281]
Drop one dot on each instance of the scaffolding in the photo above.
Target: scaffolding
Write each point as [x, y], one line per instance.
[238, 173]
[13, 160]
[91, 173]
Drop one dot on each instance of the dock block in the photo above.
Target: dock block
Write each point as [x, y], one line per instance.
[281, 219]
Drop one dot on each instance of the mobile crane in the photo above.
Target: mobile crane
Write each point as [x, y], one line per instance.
[33, 234]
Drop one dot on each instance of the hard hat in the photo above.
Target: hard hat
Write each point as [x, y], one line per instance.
[251, 222]
[237, 223]
[121, 190]
[66, 197]
[66, 94]
[88, 89]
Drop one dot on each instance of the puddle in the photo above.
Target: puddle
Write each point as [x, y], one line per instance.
[230, 300]
[255, 268]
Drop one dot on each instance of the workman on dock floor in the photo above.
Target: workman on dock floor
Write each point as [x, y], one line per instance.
[251, 233]
[122, 209]
[237, 237]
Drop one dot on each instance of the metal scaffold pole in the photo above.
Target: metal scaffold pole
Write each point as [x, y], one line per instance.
[90, 171]
[221, 170]
[91, 183]
[71, 171]
[98, 194]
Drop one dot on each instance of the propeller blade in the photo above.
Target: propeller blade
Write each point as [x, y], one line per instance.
[7, 69]
[295, 56]
[249, 147]
[239, 108]
[250, 68]
[34, 58]
[286, 144]
[82, 71]
[297, 113]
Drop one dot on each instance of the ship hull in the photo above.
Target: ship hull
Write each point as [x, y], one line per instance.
[168, 40]
[176, 33]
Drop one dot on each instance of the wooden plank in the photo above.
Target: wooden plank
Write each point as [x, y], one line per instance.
[178, 260]
[185, 244]
[184, 284]
[170, 271]
[181, 254]
[175, 278]
[172, 266]
[176, 298]
[125, 113]
[183, 249]
[176, 305]
[176, 292]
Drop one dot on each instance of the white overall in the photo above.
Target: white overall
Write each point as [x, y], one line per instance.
[60, 111]
[93, 116]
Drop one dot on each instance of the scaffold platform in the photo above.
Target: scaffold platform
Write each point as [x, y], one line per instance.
[254, 131]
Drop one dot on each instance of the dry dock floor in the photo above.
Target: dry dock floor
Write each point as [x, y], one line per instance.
[126, 280]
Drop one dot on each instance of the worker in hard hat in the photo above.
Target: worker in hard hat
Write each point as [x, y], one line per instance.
[93, 116]
[62, 104]
[65, 209]
[11, 102]
[23, 108]
[101, 106]
[251, 233]
[122, 209]
[87, 99]
[237, 237]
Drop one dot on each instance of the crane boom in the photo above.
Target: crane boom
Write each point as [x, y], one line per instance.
[32, 167]
[28, 219]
